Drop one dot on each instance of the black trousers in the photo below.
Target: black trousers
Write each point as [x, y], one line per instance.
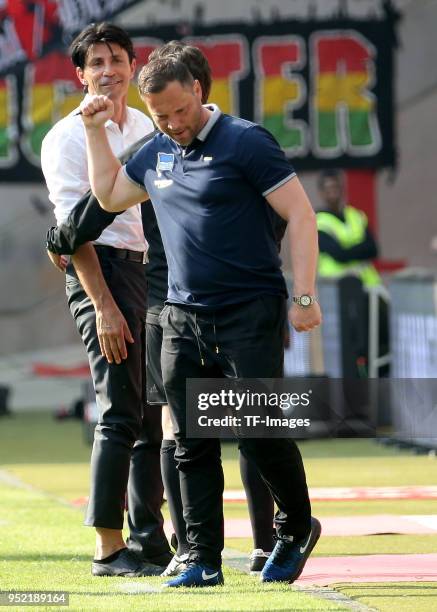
[249, 339]
[126, 449]
[155, 387]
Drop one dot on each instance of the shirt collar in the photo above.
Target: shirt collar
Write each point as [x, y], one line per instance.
[213, 118]
[127, 124]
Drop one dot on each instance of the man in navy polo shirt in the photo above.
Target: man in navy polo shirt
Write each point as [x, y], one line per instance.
[213, 180]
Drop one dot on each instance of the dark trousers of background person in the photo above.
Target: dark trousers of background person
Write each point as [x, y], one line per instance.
[239, 341]
[126, 449]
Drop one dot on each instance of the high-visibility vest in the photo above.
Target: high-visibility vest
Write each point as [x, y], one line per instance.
[347, 233]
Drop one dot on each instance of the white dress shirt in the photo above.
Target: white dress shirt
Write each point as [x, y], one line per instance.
[65, 168]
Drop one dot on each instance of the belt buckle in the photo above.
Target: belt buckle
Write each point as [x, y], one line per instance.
[145, 257]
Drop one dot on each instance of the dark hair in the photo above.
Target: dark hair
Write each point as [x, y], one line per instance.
[95, 33]
[157, 74]
[194, 60]
[330, 173]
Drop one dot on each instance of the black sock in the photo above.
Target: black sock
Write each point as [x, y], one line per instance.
[170, 478]
[111, 558]
[260, 505]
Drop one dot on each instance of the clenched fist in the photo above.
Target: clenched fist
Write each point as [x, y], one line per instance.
[96, 110]
[305, 319]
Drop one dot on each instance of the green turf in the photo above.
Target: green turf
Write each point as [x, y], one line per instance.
[35, 437]
[328, 462]
[350, 463]
[379, 506]
[44, 547]
[55, 556]
[386, 597]
[397, 470]
[54, 449]
[51, 478]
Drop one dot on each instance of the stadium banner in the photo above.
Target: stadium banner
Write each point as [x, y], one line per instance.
[323, 88]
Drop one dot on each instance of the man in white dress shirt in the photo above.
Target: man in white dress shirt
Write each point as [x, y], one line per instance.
[106, 291]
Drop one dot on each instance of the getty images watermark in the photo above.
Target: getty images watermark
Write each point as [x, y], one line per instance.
[276, 408]
[243, 402]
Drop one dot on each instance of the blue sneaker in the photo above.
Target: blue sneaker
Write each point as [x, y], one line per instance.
[196, 575]
[288, 558]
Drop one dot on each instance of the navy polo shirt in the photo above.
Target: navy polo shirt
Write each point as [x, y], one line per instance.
[215, 222]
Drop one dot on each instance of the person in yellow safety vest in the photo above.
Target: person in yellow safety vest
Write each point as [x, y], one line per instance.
[345, 242]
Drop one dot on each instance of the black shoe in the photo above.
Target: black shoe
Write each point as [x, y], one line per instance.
[152, 552]
[125, 563]
[162, 560]
[257, 560]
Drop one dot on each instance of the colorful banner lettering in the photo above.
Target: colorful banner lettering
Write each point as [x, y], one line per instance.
[281, 89]
[343, 105]
[323, 89]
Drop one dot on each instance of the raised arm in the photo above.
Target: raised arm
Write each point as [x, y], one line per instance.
[114, 191]
[291, 203]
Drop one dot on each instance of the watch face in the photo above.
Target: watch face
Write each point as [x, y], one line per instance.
[305, 300]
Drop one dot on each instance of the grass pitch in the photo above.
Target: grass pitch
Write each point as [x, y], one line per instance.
[43, 545]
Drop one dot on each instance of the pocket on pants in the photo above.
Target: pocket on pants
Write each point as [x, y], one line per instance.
[163, 314]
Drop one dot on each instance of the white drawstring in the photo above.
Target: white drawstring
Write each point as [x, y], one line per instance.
[197, 330]
[215, 337]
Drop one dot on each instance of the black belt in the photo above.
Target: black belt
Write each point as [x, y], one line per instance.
[108, 251]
